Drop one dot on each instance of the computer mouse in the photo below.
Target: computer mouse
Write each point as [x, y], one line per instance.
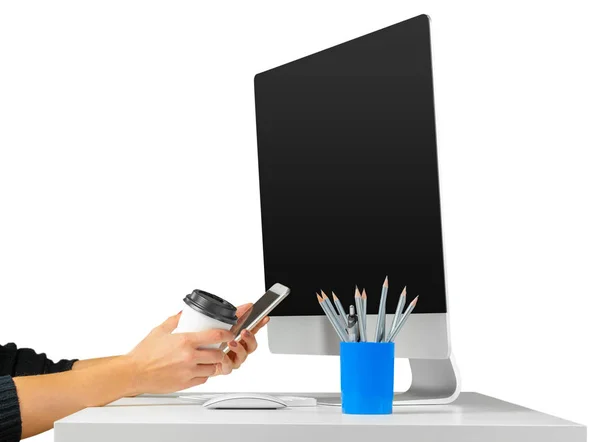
[244, 401]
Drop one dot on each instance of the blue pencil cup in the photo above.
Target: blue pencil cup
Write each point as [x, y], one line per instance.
[367, 376]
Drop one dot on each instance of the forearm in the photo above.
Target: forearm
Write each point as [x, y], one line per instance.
[87, 363]
[47, 398]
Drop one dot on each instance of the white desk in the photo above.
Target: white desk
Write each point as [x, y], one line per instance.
[472, 418]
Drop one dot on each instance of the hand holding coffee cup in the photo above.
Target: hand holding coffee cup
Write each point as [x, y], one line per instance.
[165, 362]
[183, 353]
[205, 311]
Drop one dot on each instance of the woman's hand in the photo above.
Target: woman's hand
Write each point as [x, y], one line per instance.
[239, 351]
[165, 362]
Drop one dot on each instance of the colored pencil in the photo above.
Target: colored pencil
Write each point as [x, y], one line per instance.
[380, 327]
[340, 308]
[402, 321]
[398, 314]
[361, 318]
[364, 311]
[329, 315]
[341, 322]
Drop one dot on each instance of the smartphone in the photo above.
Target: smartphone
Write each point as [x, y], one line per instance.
[258, 311]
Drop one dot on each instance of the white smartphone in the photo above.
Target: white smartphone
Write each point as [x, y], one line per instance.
[258, 311]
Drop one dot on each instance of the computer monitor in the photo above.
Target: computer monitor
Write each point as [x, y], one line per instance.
[349, 188]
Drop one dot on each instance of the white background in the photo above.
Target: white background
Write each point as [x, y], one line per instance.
[128, 172]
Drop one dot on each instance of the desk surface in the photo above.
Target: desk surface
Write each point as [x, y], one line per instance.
[473, 417]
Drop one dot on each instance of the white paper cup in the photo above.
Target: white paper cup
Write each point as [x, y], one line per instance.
[205, 311]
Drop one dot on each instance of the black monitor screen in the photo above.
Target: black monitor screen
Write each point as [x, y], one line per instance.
[349, 175]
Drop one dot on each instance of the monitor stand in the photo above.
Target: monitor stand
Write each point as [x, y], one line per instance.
[434, 382]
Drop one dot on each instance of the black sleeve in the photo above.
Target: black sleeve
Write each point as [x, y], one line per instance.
[24, 362]
[10, 413]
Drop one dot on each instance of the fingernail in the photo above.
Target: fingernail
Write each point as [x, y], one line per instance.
[247, 334]
[233, 344]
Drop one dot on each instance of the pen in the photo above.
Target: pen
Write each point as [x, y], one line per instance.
[341, 334]
[398, 314]
[380, 328]
[352, 325]
[402, 321]
[340, 308]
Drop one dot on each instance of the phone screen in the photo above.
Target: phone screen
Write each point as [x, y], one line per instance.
[256, 313]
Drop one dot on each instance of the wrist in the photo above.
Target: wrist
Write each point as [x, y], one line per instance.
[127, 373]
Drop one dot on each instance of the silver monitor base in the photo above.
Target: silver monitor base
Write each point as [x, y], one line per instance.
[434, 382]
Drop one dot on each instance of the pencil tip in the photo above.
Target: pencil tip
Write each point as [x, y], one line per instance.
[403, 291]
[364, 294]
[334, 297]
[385, 283]
[356, 292]
[322, 293]
[415, 300]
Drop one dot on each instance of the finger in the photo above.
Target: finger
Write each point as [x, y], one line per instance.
[261, 324]
[171, 323]
[194, 382]
[208, 337]
[239, 353]
[250, 341]
[242, 309]
[205, 370]
[226, 367]
[209, 356]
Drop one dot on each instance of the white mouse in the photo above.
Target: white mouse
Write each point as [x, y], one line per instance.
[247, 401]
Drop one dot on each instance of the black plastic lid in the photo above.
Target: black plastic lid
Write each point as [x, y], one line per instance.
[211, 306]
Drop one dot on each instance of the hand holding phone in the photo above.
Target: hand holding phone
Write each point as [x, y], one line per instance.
[261, 308]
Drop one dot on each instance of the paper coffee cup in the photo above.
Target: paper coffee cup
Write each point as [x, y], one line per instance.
[205, 311]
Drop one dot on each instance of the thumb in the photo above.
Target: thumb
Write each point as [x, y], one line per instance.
[171, 323]
[243, 309]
